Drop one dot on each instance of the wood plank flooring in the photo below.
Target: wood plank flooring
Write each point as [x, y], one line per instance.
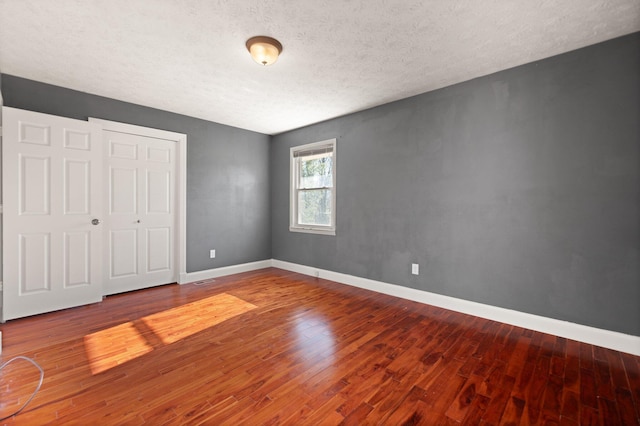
[274, 347]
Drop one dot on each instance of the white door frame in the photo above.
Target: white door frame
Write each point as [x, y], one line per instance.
[181, 183]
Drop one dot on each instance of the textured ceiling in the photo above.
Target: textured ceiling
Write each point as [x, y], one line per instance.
[340, 56]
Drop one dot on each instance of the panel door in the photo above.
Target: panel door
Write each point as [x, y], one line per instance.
[51, 181]
[140, 222]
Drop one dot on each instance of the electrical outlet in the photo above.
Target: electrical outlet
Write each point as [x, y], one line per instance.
[415, 268]
[212, 254]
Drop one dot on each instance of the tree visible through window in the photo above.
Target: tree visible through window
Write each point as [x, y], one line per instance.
[313, 188]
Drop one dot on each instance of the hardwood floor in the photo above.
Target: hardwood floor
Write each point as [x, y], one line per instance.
[274, 347]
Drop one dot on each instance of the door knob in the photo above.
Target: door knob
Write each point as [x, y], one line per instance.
[138, 221]
[95, 222]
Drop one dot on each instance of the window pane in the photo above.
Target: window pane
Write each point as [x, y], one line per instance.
[314, 207]
[316, 171]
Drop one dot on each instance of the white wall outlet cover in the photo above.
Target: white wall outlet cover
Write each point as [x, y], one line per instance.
[415, 268]
[212, 254]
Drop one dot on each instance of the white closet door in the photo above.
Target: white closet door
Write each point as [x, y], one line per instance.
[51, 181]
[141, 211]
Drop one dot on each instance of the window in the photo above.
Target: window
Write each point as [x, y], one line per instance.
[313, 188]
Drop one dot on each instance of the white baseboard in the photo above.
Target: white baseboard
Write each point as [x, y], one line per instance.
[595, 336]
[223, 271]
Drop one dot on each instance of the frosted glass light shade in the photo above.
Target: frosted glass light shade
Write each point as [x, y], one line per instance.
[264, 50]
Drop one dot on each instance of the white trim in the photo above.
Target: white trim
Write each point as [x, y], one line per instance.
[223, 271]
[116, 126]
[308, 230]
[595, 336]
[181, 177]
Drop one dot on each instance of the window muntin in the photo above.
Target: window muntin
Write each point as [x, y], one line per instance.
[313, 181]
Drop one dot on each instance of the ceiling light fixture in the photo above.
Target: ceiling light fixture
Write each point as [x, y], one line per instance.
[264, 50]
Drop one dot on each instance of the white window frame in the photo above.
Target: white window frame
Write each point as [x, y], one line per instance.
[294, 226]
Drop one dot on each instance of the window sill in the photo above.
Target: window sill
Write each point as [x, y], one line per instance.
[320, 231]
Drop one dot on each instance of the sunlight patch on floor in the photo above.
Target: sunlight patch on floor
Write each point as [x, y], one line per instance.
[113, 346]
[119, 344]
[169, 325]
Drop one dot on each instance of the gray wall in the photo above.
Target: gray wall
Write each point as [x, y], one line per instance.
[519, 189]
[228, 207]
[1, 248]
